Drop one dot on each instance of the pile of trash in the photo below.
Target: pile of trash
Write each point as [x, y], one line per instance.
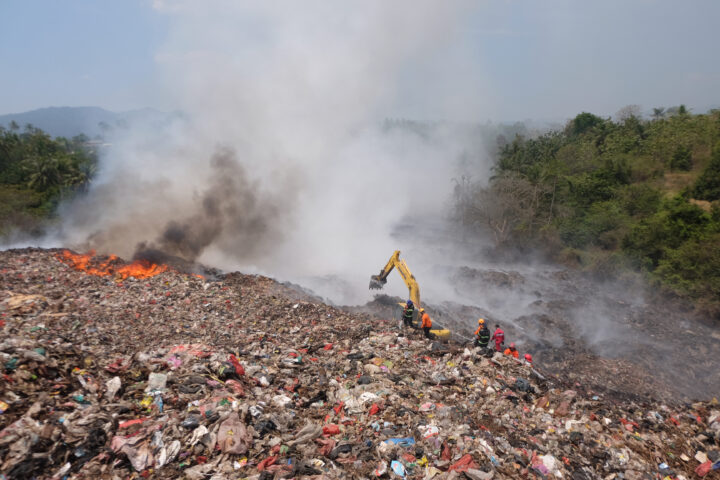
[176, 376]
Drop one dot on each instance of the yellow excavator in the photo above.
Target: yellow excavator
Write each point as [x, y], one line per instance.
[379, 281]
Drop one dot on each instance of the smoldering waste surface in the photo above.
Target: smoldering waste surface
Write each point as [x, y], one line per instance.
[174, 376]
[617, 338]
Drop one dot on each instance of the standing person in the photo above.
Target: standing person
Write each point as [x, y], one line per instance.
[408, 313]
[528, 359]
[499, 337]
[482, 334]
[426, 323]
[511, 350]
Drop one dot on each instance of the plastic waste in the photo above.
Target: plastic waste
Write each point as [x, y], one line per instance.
[403, 442]
[398, 468]
[156, 382]
[112, 387]
[233, 437]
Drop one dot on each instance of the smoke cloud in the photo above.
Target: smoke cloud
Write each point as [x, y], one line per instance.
[282, 163]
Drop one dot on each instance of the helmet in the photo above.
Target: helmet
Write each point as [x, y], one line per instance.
[409, 302]
[422, 310]
[528, 357]
[481, 321]
[512, 345]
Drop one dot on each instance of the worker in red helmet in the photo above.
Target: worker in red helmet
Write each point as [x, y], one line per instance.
[499, 337]
[528, 359]
[511, 350]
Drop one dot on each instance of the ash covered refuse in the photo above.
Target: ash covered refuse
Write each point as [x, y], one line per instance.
[175, 376]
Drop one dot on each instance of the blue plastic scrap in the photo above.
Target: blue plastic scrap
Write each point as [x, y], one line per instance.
[398, 468]
[403, 442]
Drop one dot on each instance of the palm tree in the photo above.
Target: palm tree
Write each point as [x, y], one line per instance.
[44, 174]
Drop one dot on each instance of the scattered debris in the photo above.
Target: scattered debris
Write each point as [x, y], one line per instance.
[174, 376]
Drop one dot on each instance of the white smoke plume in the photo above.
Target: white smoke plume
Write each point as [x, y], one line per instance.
[281, 165]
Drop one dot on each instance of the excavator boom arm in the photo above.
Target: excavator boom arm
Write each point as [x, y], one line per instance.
[377, 281]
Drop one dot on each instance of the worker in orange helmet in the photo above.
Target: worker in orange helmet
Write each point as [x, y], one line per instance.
[511, 350]
[482, 334]
[426, 323]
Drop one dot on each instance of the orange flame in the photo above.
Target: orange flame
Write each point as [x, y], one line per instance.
[109, 267]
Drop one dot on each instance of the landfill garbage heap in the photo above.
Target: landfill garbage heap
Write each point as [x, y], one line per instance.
[175, 376]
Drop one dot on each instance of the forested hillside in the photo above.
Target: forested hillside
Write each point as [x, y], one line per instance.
[36, 172]
[629, 195]
[615, 197]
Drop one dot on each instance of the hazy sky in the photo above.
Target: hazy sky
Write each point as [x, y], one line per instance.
[524, 59]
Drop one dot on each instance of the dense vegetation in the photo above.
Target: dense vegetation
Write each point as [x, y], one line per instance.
[614, 196]
[36, 172]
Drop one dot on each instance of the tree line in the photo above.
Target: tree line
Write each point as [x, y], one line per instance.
[36, 172]
[613, 196]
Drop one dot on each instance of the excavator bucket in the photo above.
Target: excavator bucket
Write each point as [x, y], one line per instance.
[377, 282]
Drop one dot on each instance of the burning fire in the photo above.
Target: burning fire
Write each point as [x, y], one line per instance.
[111, 266]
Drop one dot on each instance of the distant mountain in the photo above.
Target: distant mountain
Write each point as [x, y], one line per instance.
[71, 121]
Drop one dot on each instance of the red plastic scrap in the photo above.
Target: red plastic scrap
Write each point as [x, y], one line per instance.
[331, 429]
[703, 469]
[374, 409]
[428, 359]
[238, 367]
[328, 346]
[465, 463]
[117, 366]
[266, 463]
[339, 407]
[446, 452]
[136, 421]
[291, 388]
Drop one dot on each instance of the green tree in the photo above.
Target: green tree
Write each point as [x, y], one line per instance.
[707, 186]
[658, 113]
[681, 159]
[583, 122]
[44, 174]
